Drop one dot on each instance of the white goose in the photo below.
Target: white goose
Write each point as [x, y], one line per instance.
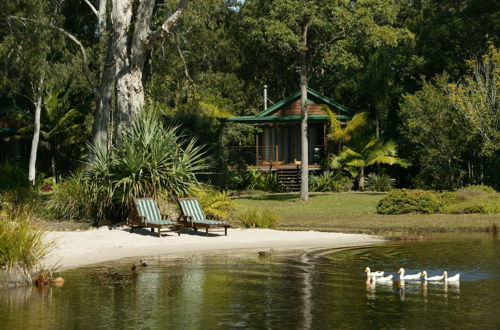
[381, 278]
[370, 274]
[454, 278]
[411, 277]
[432, 278]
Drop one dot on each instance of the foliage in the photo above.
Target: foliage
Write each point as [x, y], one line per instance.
[342, 133]
[437, 135]
[252, 180]
[21, 243]
[151, 157]
[214, 202]
[331, 181]
[258, 218]
[402, 201]
[473, 199]
[76, 198]
[12, 178]
[60, 126]
[362, 154]
[476, 99]
[150, 160]
[379, 182]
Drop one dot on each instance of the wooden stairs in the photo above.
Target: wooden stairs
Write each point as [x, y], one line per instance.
[288, 179]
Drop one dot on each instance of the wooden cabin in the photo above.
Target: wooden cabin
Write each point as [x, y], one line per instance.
[278, 144]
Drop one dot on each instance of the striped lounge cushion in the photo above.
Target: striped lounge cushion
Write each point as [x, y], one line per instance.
[148, 209]
[192, 208]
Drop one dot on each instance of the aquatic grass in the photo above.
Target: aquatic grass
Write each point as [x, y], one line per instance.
[22, 248]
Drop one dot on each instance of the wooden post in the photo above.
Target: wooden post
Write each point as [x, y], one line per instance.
[257, 149]
[325, 139]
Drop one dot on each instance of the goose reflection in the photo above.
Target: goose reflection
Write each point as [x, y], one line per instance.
[373, 286]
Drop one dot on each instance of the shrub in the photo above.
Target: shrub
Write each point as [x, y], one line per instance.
[479, 189]
[150, 159]
[13, 178]
[258, 218]
[214, 202]
[19, 201]
[402, 201]
[330, 181]
[21, 244]
[253, 180]
[76, 198]
[379, 182]
[473, 199]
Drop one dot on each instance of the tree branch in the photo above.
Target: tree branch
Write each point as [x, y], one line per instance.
[94, 10]
[166, 28]
[186, 72]
[68, 35]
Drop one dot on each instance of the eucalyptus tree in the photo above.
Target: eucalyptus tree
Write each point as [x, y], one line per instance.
[60, 126]
[35, 59]
[133, 33]
[321, 34]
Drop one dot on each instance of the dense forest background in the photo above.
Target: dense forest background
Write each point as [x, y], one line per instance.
[427, 73]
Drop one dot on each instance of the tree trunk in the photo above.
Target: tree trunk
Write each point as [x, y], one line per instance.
[362, 179]
[130, 60]
[125, 57]
[304, 169]
[121, 16]
[101, 17]
[53, 168]
[36, 134]
[103, 99]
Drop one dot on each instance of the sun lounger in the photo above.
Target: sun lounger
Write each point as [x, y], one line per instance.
[147, 214]
[192, 216]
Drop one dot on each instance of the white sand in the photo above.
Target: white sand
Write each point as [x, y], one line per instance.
[75, 249]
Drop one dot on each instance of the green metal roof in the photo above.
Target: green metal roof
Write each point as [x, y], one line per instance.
[297, 95]
[279, 119]
[266, 117]
[7, 131]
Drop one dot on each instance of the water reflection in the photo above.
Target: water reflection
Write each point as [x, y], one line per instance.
[303, 289]
[307, 291]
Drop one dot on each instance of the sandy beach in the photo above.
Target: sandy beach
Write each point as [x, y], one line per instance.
[79, 248]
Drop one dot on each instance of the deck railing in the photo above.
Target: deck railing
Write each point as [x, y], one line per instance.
[268, 155]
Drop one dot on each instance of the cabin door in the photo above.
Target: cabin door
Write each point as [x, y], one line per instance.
[294, 150]
[274, 144]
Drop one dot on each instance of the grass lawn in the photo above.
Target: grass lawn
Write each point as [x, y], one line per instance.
[355, 213]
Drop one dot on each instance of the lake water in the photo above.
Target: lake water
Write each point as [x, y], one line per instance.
[317, 289]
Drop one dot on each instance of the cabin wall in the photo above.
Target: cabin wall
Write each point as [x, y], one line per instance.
[293, 108]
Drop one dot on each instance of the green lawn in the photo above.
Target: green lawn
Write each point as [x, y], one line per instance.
[355, 212]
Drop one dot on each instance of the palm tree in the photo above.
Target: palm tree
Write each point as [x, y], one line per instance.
[357, 158]
[343, 133]
[59, 126]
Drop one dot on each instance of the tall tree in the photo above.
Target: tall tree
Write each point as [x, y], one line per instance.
[131, 40]
[321, 34]
[35, 59]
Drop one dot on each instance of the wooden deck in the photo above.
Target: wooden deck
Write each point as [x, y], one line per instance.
[276, 167]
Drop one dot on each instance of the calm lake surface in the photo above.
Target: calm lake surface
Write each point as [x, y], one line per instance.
[317, 289]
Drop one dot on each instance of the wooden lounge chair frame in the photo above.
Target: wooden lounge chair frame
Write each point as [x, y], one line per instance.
[136, 220]
[188, 220]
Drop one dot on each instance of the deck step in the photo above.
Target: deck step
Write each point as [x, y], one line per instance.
[289, 178]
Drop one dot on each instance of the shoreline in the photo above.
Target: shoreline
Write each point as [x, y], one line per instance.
[82, 248]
